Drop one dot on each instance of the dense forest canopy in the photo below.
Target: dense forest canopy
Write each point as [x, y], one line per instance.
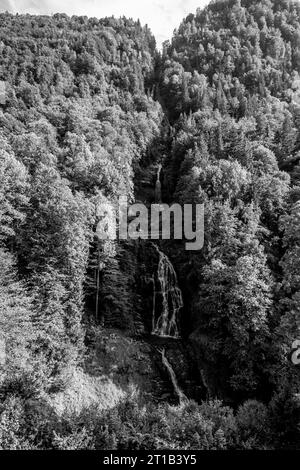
[89, 106]
[230, 78]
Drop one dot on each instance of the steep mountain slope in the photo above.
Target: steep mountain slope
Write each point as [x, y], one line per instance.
[229, 80]
[91, 112]
[75, 121]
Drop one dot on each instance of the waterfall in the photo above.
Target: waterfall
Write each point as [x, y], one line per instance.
[166, 324]
[178, 391]
[158, 185]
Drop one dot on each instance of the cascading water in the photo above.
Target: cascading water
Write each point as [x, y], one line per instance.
[158, 185]
[167, 298]
[171, 296]
[181, 396]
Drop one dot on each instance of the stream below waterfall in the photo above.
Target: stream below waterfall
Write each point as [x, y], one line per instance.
[181, 396]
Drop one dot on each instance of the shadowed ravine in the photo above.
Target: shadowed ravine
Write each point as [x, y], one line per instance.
[167, 300]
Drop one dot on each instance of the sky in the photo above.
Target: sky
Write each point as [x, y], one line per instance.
[162, 16]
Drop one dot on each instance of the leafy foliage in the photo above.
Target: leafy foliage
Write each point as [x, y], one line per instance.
[89, 105]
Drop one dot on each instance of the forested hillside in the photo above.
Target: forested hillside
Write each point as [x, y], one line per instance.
[231, 80]
[90, 109]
